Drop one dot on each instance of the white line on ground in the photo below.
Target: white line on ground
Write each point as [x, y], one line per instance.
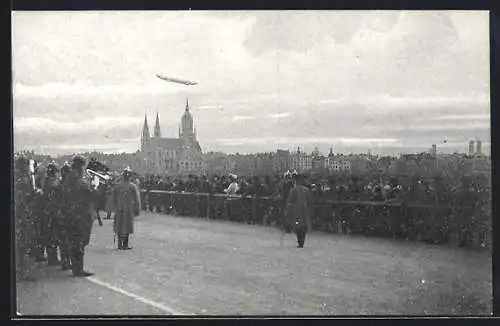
[137, 297]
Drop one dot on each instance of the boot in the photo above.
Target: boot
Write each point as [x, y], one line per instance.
[301, 237]
[77, 267]
[120, 243]
[99, 219]
[125, 243]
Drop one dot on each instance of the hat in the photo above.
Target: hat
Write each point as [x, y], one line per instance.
[233, 176]
[127, 171]
[78, 161]
[52, 168]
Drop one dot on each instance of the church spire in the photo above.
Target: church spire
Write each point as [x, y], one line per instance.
[145, 139]
[157, 133]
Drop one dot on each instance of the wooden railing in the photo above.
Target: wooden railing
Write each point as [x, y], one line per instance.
[456, 225]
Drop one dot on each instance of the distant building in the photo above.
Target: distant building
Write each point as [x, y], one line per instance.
[338, 164]
[300, 161]
[479, 149]
[471, 148]
[331, 153]
[434, 150]
[180, 155]
[282, 161]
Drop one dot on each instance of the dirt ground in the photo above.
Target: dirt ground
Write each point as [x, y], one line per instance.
[207, 267]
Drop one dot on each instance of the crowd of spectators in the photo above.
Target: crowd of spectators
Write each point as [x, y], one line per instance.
[410, 189]
[434, 205]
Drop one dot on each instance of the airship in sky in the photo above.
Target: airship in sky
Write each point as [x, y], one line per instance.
[176, 80]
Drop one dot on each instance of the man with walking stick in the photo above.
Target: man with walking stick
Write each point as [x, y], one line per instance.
[299, 209]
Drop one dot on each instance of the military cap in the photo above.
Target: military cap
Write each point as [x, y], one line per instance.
[52, 168]
[127, 171]
[78, 161]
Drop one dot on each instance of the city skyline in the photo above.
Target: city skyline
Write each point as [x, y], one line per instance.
[386, 81]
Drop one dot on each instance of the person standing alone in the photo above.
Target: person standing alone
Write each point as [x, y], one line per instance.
[127, 205]
[299, 207]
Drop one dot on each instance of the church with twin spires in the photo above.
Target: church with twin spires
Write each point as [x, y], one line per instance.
[171, 156]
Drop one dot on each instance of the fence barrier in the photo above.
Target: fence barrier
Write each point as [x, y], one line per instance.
[458, 225]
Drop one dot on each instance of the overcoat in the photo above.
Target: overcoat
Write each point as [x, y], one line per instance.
[127, 204]
[80, 200]
[299, 207]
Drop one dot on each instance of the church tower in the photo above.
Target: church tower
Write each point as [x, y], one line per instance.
[157, 132]
[187, 125]
[145, 139]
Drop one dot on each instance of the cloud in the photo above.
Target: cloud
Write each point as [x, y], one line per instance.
[469, 117]
[281, 115]
[46, 125]
[55, 90]
[350, 75]
[306, 140]
[242, 117]
[437, 127]
[300, 31]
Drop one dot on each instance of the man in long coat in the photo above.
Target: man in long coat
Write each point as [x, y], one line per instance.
[81, 197]
[63, 216]
[24, 226]
[127, 206]
[299, 209]
[51, 210]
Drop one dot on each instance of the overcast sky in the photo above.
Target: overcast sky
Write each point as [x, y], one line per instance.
[390, 81]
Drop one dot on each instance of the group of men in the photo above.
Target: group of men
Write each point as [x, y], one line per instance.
[54, 219]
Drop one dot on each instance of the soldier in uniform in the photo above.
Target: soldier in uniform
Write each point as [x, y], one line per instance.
[24, 228]
[61, 220]
[127, 206]
[299, 208]
[50, 211]
[80, 198]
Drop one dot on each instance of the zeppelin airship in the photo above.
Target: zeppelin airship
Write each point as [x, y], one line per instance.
[176, 80]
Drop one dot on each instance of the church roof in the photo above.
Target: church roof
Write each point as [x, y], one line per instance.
[170, 143]
[167, 143]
